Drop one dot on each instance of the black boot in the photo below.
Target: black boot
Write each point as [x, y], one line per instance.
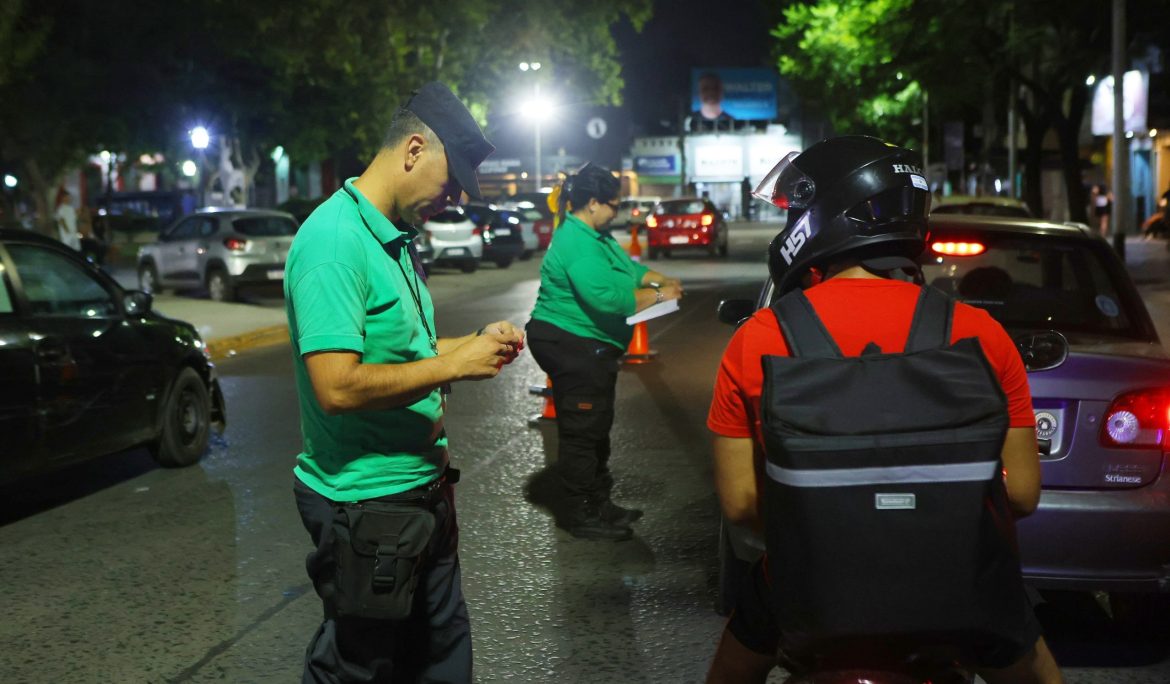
[619, 515]
[584, 520]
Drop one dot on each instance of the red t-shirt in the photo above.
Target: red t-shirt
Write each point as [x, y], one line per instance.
[856, 311]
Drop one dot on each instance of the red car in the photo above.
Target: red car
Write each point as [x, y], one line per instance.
[686, 223]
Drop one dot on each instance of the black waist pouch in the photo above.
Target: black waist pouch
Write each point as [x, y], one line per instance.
[380, 547]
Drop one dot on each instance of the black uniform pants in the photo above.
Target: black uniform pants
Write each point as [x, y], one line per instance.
[432, 645]
[584, 378]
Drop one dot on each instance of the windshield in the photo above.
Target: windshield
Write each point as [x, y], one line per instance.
[449, 216]
[1037, 282]
[265, 226]
[680, 207]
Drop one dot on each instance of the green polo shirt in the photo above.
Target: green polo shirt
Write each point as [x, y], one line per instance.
[587, 284]
[348, 288]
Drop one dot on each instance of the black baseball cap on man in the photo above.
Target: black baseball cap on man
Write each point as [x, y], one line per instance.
[466, 146]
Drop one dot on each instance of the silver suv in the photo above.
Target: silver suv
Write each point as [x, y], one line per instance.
[219, 249]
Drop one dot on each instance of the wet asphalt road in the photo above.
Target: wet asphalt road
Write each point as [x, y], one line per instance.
[117, 571]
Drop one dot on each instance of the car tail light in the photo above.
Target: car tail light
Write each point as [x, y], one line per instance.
[957, 248]
[1137, 419]
[707, 219]
[651, 222]
[235, 244]
[635, 212]
[478, 230]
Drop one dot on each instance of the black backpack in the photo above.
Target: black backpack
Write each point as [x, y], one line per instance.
[884, 506]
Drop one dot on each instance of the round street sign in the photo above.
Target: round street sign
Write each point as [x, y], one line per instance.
[596, 128]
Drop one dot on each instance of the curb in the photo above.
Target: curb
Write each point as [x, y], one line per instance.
[225, 347]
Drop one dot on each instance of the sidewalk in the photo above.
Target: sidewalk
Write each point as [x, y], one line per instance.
[231, 328]
[226, 328]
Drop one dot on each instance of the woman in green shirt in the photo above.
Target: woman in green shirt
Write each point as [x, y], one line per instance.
[578, 333]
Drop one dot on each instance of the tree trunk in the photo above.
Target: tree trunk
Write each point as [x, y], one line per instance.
[42, 192]
[1035, 127]
[1068, 130]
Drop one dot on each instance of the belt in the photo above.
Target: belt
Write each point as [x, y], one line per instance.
[428, 492]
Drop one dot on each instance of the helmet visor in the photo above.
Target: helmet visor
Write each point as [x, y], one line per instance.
[786, 186]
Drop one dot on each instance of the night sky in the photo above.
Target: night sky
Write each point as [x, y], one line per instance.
[686, 34]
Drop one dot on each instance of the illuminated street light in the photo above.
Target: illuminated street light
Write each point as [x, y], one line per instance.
[9, 180]
[200, 138]
[190, 169]
[1090, 80]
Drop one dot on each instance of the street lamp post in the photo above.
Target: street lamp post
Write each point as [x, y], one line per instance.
[535, 111]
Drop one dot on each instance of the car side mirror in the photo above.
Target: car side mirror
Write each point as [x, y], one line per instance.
[736, 311]
[137, 303]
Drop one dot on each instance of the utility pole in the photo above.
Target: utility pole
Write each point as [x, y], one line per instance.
[1122, 204]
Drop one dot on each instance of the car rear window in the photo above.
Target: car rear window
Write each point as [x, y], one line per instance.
[1039, 282]
[264, 226]
[977, 209]
[680, 207]
[449, 216]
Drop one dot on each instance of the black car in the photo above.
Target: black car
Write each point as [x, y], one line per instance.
[503, 241]
[88, 369]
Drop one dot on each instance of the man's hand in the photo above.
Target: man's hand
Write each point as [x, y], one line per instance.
[512, 336]
[480, 357]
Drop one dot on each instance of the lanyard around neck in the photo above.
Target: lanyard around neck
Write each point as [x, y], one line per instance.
[416, 289]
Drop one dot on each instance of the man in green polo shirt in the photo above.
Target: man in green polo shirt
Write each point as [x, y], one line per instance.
[372, 482]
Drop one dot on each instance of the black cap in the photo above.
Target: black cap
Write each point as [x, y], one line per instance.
[466, 147]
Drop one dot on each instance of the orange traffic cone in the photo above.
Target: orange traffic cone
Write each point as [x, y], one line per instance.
[635, 248]
[639, 350]
[549, 413]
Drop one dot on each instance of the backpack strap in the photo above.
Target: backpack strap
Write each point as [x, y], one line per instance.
[931, 327]
[803, 330]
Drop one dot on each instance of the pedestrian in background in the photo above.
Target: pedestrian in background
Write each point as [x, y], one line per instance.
[66, 218]
[578, 333]
[373, 483]
[1102, 208]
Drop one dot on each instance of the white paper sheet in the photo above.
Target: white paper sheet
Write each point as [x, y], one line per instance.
[654, 311]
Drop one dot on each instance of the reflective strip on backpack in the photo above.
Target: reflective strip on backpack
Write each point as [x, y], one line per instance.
[846, 477]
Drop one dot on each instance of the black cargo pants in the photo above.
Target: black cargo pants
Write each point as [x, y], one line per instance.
[584, 378]
[432, 645]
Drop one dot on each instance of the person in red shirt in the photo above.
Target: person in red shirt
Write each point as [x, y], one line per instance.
[857, 210]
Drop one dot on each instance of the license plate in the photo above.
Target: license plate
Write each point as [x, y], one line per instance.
[456, 251]
[502, 231]
[276, 274]
[679, 240]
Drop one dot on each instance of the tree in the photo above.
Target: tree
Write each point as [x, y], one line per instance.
[964, 54]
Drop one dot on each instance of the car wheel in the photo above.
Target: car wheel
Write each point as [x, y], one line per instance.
[652, 253]
[666, 253]
[219, 286]
[186, 422]
[148, 278]
[712, 249]
[526, 255]
[503, 263]
[732, 571]
[723, 246]
[469, 266]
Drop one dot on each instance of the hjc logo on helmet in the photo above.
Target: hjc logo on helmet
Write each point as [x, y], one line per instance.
[801, 232]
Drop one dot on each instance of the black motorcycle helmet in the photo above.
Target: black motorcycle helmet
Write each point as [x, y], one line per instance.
[854, 195]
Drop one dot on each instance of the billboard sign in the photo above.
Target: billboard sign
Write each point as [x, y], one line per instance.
[739, 94]
[1135, 96]
[657, 165]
